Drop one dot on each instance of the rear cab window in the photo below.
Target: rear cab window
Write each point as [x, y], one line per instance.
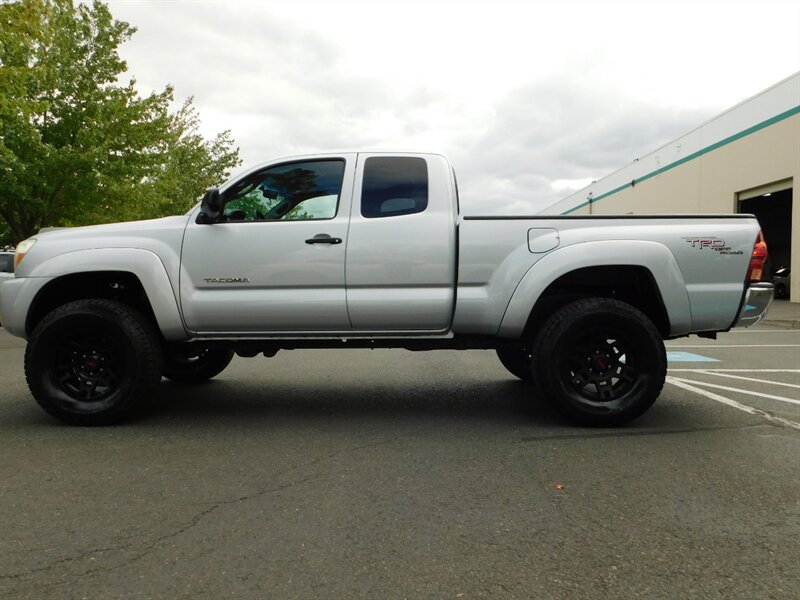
[394, 186]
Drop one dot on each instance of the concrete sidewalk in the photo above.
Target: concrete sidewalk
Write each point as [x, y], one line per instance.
[784, 314]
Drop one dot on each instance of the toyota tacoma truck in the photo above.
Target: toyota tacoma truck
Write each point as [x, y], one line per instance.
[370, 250]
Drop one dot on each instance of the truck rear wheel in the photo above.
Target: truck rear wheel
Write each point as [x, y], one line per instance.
[93, 361]
[600, 362]
[517, 360]
[204, 365]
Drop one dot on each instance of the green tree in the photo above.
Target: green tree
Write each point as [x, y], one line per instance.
[76, 146]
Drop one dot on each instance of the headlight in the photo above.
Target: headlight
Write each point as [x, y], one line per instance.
[22, 249]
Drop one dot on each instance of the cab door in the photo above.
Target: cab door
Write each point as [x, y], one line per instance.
[401, 249]
[275, 260]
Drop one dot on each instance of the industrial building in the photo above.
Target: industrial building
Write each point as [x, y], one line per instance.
[745, 160]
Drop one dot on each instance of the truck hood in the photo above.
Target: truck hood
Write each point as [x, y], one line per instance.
[162, 236]
[129, 228]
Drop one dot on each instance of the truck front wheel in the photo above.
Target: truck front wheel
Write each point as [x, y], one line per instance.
[600, 362]
[200, 367]
[93, 361]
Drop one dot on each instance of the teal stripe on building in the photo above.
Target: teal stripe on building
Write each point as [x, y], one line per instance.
[750, 130]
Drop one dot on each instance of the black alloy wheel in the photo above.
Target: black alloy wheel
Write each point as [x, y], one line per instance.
[600, 362]
[93, 362]
[89, 365]
[601, 367]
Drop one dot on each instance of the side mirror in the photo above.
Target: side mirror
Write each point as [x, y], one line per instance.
[210, 207]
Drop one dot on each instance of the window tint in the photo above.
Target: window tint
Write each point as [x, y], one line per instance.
[292, 192]
[394, 186]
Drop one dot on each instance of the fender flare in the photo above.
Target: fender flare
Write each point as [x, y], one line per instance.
[143, 264]
[655, 257]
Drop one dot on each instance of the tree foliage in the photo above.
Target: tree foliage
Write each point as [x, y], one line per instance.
[78, 147]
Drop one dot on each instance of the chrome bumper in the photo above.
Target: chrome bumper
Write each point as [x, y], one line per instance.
[757, 299]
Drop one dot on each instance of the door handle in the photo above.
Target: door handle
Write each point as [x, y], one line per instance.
[323, 238]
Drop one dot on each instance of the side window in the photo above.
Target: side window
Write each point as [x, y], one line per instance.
[393, 186]
[299, 191]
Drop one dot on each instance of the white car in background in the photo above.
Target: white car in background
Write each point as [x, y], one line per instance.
[6, 263]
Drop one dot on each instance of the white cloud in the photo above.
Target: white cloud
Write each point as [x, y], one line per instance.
[523, 96]
[569, 185]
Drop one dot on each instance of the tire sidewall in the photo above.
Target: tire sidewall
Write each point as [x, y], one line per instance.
[645, 354]
[123, 327]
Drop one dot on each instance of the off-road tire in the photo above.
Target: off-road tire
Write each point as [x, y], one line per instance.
[93, 362]
[600, 362]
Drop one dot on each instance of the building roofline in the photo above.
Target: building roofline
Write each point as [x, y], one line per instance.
[586, 191]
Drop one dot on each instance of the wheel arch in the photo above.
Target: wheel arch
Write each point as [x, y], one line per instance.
[134, 277]
[643, 274]
[632, 284]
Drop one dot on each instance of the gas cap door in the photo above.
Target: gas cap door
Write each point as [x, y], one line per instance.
[543, 239]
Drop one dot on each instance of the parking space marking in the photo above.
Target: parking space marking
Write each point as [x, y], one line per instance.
[688, 357]
[713, 345]
[739, 390]
[729, 376]
[733, 403]
[794, 331]
[738, 370]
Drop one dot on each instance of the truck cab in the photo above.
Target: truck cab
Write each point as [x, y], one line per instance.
[321, 244]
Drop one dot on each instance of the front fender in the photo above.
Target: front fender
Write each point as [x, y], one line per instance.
[653, 256]
[144, 264]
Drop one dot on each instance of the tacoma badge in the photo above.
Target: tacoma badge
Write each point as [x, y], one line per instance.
[226, 280]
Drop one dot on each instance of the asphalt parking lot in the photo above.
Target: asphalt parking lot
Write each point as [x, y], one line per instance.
[391, 474]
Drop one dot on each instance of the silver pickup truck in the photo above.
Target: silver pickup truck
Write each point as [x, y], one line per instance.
[354, 250]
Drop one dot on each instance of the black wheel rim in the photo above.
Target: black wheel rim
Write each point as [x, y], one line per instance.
[601, 366]
[89, 366]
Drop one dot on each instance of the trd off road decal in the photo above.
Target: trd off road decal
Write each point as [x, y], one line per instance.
[712, 243]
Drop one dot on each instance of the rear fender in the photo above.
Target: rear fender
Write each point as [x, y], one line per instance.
[653, 256]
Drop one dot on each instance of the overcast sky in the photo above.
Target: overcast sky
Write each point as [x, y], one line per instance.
[530, 100]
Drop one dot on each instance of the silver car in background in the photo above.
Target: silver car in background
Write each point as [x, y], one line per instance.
[781, 279]
[6, 263]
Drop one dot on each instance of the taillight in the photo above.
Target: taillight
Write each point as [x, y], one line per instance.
[756, 269]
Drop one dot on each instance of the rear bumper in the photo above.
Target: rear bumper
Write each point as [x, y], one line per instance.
[757, 299]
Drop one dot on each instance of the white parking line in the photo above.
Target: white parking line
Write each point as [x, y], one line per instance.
[767, 381]
[738, 370]
[713, 345]
[759, 331]
[727, 401]
[738, 390]
[794, 331]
